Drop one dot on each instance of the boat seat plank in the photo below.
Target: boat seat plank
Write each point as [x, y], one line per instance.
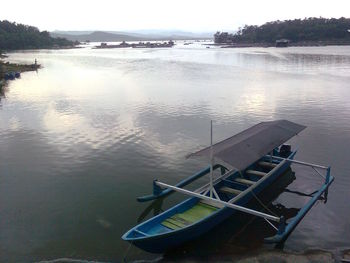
[197, 212]
[140, 232]
[254, 172]
[211, 203]
[176, 222]
[170, 225]
[180, 219]
[267, 164]
[210, 206]
[192, 215]
[244, 181]
[229, 190]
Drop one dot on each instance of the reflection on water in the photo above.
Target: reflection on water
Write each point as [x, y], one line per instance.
[155, 207]
[85, 135]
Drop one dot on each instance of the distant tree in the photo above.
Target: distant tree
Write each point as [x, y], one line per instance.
[308, 29]
[18, 36]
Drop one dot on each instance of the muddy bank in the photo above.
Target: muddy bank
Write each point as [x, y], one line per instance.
[7, 69]
[275, 256]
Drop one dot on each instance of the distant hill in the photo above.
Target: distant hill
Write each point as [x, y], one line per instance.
[142, 35]
[297, 31]
[18, 36]
[97, 36]
[154, 33]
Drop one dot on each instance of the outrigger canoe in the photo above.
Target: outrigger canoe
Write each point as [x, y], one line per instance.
[249, 162]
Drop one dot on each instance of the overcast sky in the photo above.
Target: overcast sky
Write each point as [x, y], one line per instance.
[188, 15]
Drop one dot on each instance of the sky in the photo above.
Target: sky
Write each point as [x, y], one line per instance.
[186, 15]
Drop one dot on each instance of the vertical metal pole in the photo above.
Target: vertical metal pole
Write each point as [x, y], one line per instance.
[156, 188]
[328, 175]
[282, 225]
[211, 158]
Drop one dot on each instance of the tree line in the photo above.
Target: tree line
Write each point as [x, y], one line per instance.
[297, 30]
[18, 36]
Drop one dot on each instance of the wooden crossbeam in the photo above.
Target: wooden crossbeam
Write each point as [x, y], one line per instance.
[254, 172]
[267, 164]
[244, 181]
[229, 190]
[211, 203]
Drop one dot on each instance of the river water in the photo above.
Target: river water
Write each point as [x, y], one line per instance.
[85, 135]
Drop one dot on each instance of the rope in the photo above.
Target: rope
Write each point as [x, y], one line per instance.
[297, 141]
[262, 204]
[273, 226]
[127, 251]
[266, 208]
[318, 172]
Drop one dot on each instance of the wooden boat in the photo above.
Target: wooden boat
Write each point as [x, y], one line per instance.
[249, 162]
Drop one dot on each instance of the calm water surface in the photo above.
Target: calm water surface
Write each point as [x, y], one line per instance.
[85, 135]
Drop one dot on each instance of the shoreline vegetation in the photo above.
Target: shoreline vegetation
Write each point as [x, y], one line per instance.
[13, 69]
[290, 44]
[297, 32]
[15, 36]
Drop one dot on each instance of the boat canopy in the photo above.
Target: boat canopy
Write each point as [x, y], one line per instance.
[248, 146]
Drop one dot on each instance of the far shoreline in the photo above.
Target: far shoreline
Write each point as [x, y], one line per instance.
[267, 45]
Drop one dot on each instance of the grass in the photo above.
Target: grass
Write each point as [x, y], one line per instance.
[7, 67]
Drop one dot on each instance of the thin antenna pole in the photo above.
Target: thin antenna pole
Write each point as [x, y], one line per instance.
[211, 158]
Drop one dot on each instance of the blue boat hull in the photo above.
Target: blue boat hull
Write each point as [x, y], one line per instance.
[161, 242]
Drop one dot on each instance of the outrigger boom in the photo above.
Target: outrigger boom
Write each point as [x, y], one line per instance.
[300, 162]
[249, 162]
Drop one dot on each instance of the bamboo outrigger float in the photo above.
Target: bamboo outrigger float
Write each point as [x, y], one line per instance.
[249, 162]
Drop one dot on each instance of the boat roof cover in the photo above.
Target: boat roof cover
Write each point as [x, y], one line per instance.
[248, 146]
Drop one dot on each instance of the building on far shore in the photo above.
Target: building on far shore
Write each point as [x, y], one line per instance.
[282, 42]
